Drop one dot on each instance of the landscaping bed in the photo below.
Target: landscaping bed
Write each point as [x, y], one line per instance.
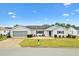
[54, 42]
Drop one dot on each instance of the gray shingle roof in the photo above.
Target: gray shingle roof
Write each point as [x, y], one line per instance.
[8, 27]
[38, 27]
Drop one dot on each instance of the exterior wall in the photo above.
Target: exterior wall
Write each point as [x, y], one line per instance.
[72, 31]
[77, 32]
[20, 29]
[34, 31]
[60, 29]
[46, 33]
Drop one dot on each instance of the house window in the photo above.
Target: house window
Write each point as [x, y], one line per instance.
[60, 32]
[39, 32]
[77, 32]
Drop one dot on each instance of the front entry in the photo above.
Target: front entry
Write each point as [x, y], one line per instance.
[49, 33]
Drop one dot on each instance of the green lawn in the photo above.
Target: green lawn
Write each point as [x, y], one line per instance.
[54, 42]
[2, 37]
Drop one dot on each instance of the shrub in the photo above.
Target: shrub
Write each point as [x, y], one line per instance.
[69, 36]
[55, 36]
[8, 35]
[63, 36]
[30, 35]
[73, 36]
[3, 37]
[0, 36]
[59, 36]
[43, 35]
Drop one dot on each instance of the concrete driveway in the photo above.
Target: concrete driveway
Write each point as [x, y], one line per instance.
[11, 43]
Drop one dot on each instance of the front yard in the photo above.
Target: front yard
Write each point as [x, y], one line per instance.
[3, 37]
[50, 42]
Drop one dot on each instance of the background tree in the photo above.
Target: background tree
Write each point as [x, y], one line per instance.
[58, 24]
[16, 25]
[68, 25]
[73, 26]
[62, 24]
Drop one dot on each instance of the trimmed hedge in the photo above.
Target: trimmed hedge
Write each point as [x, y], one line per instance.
[55, 36]
[71, 36]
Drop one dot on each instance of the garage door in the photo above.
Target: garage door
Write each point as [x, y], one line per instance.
[19, 33]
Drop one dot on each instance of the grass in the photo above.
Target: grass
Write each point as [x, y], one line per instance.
[54, 42]
[2, 37]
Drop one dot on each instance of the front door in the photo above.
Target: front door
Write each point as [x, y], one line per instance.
[49, 33]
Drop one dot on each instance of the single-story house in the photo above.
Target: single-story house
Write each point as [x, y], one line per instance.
[43, 30]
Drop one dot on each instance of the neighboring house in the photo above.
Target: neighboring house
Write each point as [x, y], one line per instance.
[4, 30]
[43, 30]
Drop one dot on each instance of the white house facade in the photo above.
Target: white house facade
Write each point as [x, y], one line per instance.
[57, 31]
[44, 30]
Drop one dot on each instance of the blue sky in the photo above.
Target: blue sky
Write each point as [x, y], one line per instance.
[38, 14]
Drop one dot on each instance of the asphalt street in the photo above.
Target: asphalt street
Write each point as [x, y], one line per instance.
[28, 51]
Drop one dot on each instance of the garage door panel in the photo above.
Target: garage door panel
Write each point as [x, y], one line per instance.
[19, 33]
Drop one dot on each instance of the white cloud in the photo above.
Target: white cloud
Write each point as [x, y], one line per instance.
[67, 4]
[13, 16]
[77, 10]
[11, 13]
[66, 14]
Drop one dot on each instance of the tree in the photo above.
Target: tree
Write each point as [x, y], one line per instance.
[16, 25]
[52, 25]
[58, 24]
[62, 24]
[68, 25]
[73, 26]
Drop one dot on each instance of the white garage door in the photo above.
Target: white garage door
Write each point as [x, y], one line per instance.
[19, 33]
